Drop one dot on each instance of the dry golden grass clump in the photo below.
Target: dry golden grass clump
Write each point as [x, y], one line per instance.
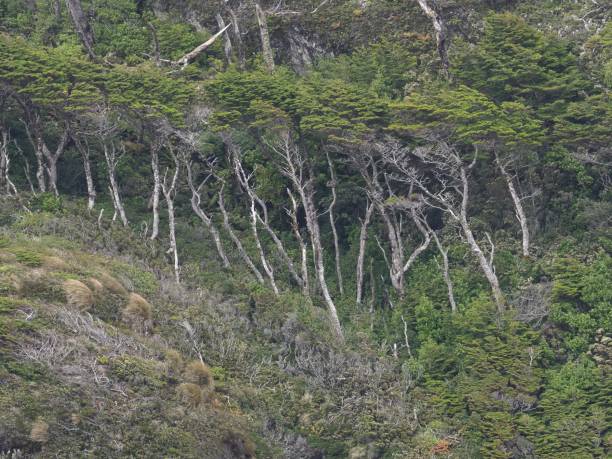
[78, 294]
[112, 284]
[40, 431]
[174, 360]
[191, 394]
[138, 312]
[198, 372]
[95, 284]
[55, 263]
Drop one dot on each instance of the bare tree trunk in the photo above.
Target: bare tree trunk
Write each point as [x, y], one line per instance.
[262, 256]
[303, 248]
[193, 55]
[110, 154]
[332, 221]
[91, 189]
[32, 128]
[228, 227]
[227, 46]
[294, 170]
[82, 26]
[156, 191]
[6, 185]
[266, 49]
[486, 266]
[238, 35]
[169, 191]
[518, 205]
[245, 180]
[446, 272]
[196, 205]
[363, 237]
[429, 7]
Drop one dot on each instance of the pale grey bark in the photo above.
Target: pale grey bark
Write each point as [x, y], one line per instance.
[518, 205]
[227, 42]
[262, 255]
[303, 248]
[168, 187]
[450, 196]
[266, 49]
[196, 205]
[85, 156]
[245, 181]
[295, 168]
[112, 159]
[430, 9]
[6, 185]
[230, 231]
[332, 220]
[363, 237]
[82, 26]
[193, 54]
[156, 190]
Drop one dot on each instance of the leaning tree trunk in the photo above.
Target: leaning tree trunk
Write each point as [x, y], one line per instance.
[82, 26]
[230, 231]
[111, 163]
[487, 266]
[196, 205]
[315, 234]
[266, 49]
[518, 205]
[262, 256]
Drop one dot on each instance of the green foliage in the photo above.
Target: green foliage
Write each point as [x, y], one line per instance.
[581, 299]
[47, 202]
[515, 62]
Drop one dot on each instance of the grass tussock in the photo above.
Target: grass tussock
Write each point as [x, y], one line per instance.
[174, 361]
[112, 285]
[198, 372]
[55, 263]
[31, 283]
[78, 294]
[39, 431]
[191, 394]
[95, 284]
[138, 312]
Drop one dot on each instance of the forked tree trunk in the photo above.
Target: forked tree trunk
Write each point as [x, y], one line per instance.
[110, 154]
[294, 168]
[196, 205]
[295, 226]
